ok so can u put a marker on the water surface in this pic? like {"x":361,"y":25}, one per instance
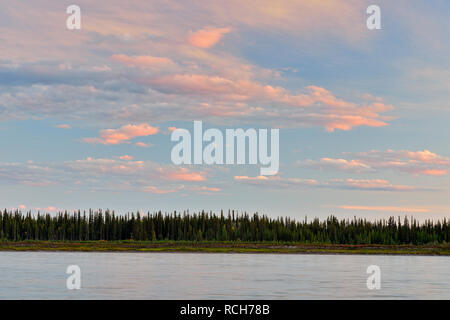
{"x":42,"y":275}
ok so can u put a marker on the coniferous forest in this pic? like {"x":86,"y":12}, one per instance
{"x":106,"y":225}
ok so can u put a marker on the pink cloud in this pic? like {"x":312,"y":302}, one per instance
{"x":425,"y":156}
{"x":207,"y":37}
{"x":235,"y":98}
{"x":343,"y":164}
{"x":155,"y":190}
{"x":63,"y":126}
{"x":134,"y":174}
{"x":381,"y":208}
{"x":228,"y":79}
{"x":136,"y":169}
{"x":413,"y":162}
{"x":346,"y":123}
{"x":277,"y":182}
{"x":123,"y":134}
{"x":374,"y":184}
{"x":206,"y":189}
{"x":143,"y":61}
{"x":251,"y":178}
{"x":142,"y":144}
{"x":117,"y":173}
{"x":126,"y":157}
{"x":48,"y":209}
{"x":183,"y":175}
{"x":433,"y":172}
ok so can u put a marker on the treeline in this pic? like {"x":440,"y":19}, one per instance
{"x":99,"y":225}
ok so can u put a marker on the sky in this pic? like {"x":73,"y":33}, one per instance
{"x":86,"y":115}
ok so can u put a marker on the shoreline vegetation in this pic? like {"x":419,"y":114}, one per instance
{"x":222,"y":247}
{"x":232,"y":232}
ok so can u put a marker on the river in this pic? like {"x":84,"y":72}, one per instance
{"x":42,"y":275}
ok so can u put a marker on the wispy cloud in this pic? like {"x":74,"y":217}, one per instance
{"x":142,"y":144}
{"x":63,"y":126}
{"x":384,"y":209}
{"x":119,"y":173}
{"x":143,"y":61}
{"x":156,"y":190}
{"x":124,"y":134}
{"x":277,"y":182}
{"x":183,"y":174}
{"x":207,"y":37}
{"x":221,"y":87}
{"x":225,"y":93}
{"x":369,"y":184}
{"x":413,"y":162}
{"x":126,"y":157}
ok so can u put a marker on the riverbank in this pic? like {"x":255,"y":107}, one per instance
{"x":223,"y":247}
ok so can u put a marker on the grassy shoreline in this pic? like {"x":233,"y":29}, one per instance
{"x":223,"y":247}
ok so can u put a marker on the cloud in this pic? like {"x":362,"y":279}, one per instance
{"x":48,"y":209}
{"x":163,"y":24}
{"x":277,"y":182}
{"x":63,"y":126}
{"x":27,"y":173}
{"x":183,"y":174}
{"x":123,"y":134}
{"x":126,"y":157}
{"x":153,"y":189}
{"x":196,"y":189}
{"x":236,"y":98}
{"x":207,"y":37}
{"x":105,"y":174}
{"x":433,"y":172}
{"x":220,"y":87}
{"x":424,"y":156}
{"x":205,"y":189}
{"x":369,"y":184}
{"x":247,"y":178}
{"x":142,"y":144}
{"x":135,"y":169}
{"x":338,"y":164}
{"x":143,"y":61}
{"x":383,"y":209}
{"x":413,"y":162}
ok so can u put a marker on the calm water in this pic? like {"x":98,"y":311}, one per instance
{"x":41,"y":275}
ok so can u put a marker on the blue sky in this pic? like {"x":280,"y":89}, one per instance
{"x":86,"y":115}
